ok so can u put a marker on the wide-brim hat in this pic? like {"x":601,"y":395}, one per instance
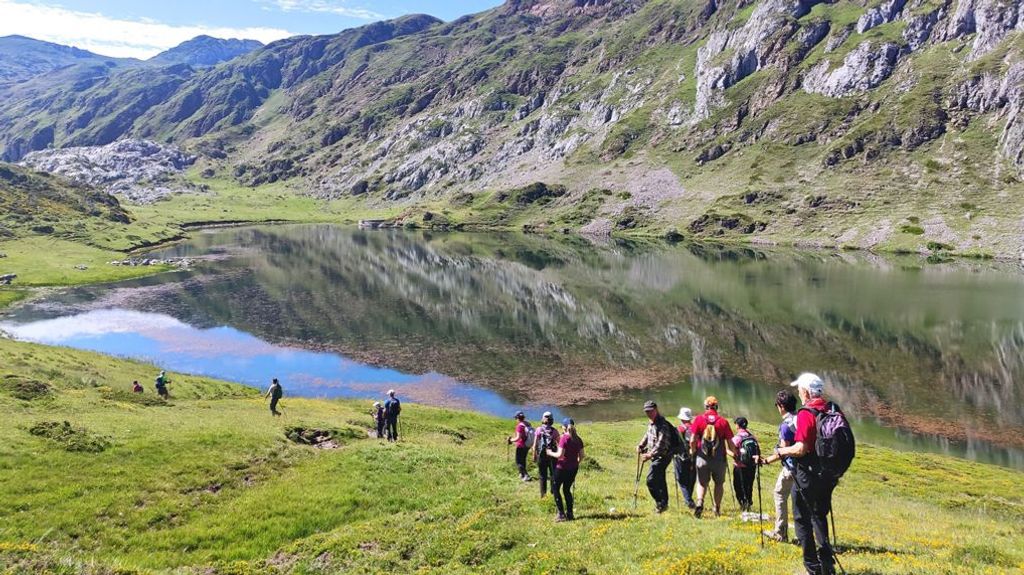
{"x":685,"y":414}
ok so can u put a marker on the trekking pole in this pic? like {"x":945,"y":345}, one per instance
{"x":832,"y":517}
{"x":636,"y":487}
{"x":760,"y":509}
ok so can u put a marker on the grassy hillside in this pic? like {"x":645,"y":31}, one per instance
{"x":210,"y":484}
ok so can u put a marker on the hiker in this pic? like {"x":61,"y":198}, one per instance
{"x":136,"y":387}
{"x":567,"y":456}
{"x":710,"y":442}
{"x":823,"y":447}
{"x":785,"y":402}
{"x":521,"y":439}
{"x":658,"y":446}
{"x":161,"y":385}
{"x":744,"y":469}
{"x":392,"y":409}
{"x":545,"y":440}
{"x":275,"y":392}
{"x":378,"y":418}
{"x":686,"y":475}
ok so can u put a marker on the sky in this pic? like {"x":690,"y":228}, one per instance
{"x":142,"y":29}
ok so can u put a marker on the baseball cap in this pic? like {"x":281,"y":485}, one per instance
{"x":519,"y":415}
{"x":685,"y":414}
{"x":810,"y":382}
{"x":546,"y":415}
{"x":391,"y":392}
{"x":711,"y":400}
{"x":567,"y":422}
{"x":650,"y":405}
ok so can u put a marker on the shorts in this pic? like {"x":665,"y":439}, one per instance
{"x":713,"y":469}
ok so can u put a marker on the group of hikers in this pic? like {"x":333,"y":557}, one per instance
{"x":386,"y":417}
{"x":815,"y":448}
{"x":557,"y":454}
{"x":160,"y":384}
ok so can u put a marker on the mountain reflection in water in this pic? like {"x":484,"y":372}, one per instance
{"x":922,"y":355}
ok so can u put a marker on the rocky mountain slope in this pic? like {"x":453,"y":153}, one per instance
{"x":138,"y":170}
{"x":22,"y":58}
{"x":205,"y":51}
{"x":887,"y":124}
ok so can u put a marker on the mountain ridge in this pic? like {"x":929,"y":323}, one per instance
{"x":841,"y":124}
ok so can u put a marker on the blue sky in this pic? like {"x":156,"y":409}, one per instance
{"x":140,"y":29}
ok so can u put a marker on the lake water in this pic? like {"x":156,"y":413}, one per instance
{"x":923,"y":356}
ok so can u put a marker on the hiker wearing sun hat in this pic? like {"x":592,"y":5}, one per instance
{"x":710,"y":442}
{"x":686,"y":475}
{"x":544,"y":440}
{"x":823,"y":448}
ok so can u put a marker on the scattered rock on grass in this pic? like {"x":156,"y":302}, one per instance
{"x":321,"y":438}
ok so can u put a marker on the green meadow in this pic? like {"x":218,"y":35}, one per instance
{"x":211,"y":484}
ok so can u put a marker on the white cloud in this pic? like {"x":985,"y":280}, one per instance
{"x":326,"y":7}
{"x":111,"y":36}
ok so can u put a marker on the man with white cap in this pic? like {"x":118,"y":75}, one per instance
{"x":544,"y":440}
{"x":392,"y":409}
{"x":812,"y":490}
{"x":686,"y":475}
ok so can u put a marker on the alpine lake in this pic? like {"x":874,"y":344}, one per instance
{"x":922,"y":355}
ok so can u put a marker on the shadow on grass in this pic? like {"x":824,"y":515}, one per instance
{"x":608,"y":516}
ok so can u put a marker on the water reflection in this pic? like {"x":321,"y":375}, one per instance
{"x":937,"y":351}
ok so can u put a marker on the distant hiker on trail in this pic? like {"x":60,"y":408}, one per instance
{"x":744,"y":469}
{"x":785,"y":402}
{"x":392,"y":411}
{"x":711,"y":440}
{"x":136,"y":387}
{"x":567,"y":456}
{"x":658,"y":446}
{"x":545,"y":440}
{"x":378,"y":418}
{"x":275,"y":392}
{"x":823,"y":448}
{"x":522,"y":439}
{"x":686,"y":475}
{"x":161,"y":385}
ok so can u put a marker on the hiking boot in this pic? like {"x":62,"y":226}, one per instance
{"x":659,"y":509}
{"x":698,"y":511}
{"x":560,"y":518}
{"x":526,"y":478}
{"x":691,"y":505}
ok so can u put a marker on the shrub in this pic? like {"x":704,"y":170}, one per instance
{"x":912,"y":229}
{"x":25,"y":389}
{"x":75,"y":439}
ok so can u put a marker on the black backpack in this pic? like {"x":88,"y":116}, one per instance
{"x":675,"y":442}
{"x":835,"y":446}
{"x":395,"y":407}
{"x":749,"y":450}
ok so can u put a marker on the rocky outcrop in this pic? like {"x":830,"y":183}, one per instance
{"x":866,"y":67}
{"x":139,"y":170}
{"x":883,"y":13}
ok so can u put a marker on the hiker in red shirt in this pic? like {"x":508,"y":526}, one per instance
{"x":711,"y":441}
{"x":812,"y":492}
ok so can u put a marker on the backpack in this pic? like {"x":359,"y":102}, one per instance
{"x":159,"y":381}
{"x":675,"y":442}
{"x":277,"y":392}
{"x":531,"y":434}
{"x":835,"y":445}
{"x":749,"y":450}
{"x":394,"y":408}
{"x":709,"y":442}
